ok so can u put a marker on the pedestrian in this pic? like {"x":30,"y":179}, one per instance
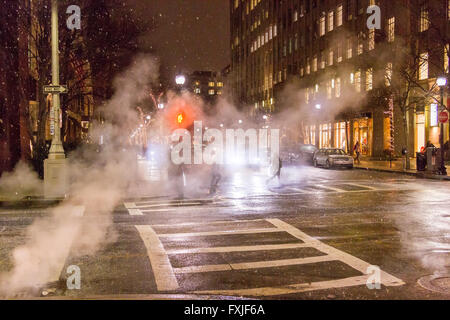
{"x":215,"y":178}
{"x":277,"y":164}
{"x":357,"y":150}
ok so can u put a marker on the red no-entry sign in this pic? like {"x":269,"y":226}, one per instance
{"x":443,"y":117}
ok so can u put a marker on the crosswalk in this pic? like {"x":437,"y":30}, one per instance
{"x":322,"y":187}
{"x":166,"y":243}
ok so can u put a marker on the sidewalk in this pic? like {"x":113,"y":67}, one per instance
{"x":397,"y":167}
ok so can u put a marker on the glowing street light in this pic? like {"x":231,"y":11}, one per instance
{"x":318,"y":106}
{"x":180,"y":80}
{"x":240,"y":121}
{"x":441,"y":82}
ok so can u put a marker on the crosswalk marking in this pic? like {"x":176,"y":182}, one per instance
{"x":165,"y":273}
{"x":218,"y":233}
{"x":331,"y":188}
{"x":253,"y":265}
{"x":361,"y":186}
{"x":269,"y":247}
{"x":162,"y":269}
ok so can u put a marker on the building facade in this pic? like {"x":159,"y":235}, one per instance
{"x":207,"y":84}
{"x":319,"y":59}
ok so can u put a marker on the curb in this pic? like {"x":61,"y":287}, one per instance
{"x":415,"y":174}
{"x":29,"y":203}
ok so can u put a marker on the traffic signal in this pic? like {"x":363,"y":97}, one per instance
{"x":180,"y":118}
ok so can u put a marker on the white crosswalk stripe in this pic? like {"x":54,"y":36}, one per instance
{"x":166,"y":275}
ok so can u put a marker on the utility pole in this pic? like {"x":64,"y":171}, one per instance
{"x":55,"y":175}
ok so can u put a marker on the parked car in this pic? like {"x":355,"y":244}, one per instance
{"x":307,"y":152}
{"x":330,"y":158}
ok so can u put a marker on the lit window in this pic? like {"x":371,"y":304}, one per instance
{"x":211,"y":84}
{"x":446,"y":60}
{"x":331,"y":58}
{"x":330,"y":21}
{"x":314,"y":64}
{"x":338,"y":88}
{"x":349,"y":48}
{"x":197,"y":90}
{"x":339,"y":16}
{"x":220,"y":84}
{"x":388,"y":75}
{"x":391,"y":29}
{"x":211,"y":92}
{"x":423,"y":66}
{"x":424,"y":19}
{"x":360,"y":46}
{"x":322,"y":26}
{"x":371,"y":40}
{"x":358,"y":81}
{"x":369,"y":79}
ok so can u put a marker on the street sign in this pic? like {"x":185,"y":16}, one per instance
{"x":55,"y":89}
{"x":443,"y":117}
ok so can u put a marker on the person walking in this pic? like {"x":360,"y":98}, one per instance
{"x":357,"y":150}
{"x":215,"y":178}
{"x":277,"y":165}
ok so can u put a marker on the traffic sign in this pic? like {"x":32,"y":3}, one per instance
{"x":443,"y":117}
{"x":55,"y":89}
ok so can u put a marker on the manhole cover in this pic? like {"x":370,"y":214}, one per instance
{"x":436,"y":283}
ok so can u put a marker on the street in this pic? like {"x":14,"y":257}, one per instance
{"x":316,"y":235}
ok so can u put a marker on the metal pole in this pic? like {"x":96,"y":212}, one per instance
{"x":442,"y":170}
{"x":56,"y":150}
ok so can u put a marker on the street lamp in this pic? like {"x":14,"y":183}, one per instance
{"x":318,"y":106}
{"x":180,"y":80}
{"x":442,"y":83}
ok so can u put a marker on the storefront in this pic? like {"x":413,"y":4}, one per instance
{"x":310,"y":135}
{"x":363,"y":132}
{"x":340,"y":136}
{"x":325,"y":135}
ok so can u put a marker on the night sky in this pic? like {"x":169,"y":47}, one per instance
{"x":189,"y":35}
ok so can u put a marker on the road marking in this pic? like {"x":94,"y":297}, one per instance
{"x":218,"y":233}
{"x":162,"y":269}
{"x":190,"y":224}
{"x":252,"y":265}
{"x":168,"y":204}
{"x":331,"y":188}
{"x":361,"y":186}
{"x":354,"y":262}
{"x":239,"y":249}
{"x":299,"y":190}
{"x":290,"y":289}
{"x":135,"y":212}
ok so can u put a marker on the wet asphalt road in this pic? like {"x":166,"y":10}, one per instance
{"x":312,"y":236}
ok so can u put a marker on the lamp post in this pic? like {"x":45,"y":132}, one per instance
{"x":442,"y":83}
{"x":54,"y":167}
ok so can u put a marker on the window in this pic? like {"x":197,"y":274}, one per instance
{"x":314,"y":64}
{"x":322,"y":26}
{"x":352,"y":78}
{"x":220,"y":84}
{"x":339,"y":52}
{"x":369,"y":79}
{"x":358,"y":81}
{"x":423,"y":66}
{"x":371,"y":40}
{"x":308,"y":66}
{"x":339,"y":16}
{"x":331,"y":58}
{"x":391,"y":29}
{"x":388,"y":74}
{"x":330,"y":21}
{"x":349,"y":48}
{"x":211,"y":92}
{"x":211,"y":84}
{"x":338,"y":88}
{"x":197,"y":90}
{"x":446,"y":51}
{"x":322,"y":60}
{"x":360,"y":46}
{"x":424,"y":19}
